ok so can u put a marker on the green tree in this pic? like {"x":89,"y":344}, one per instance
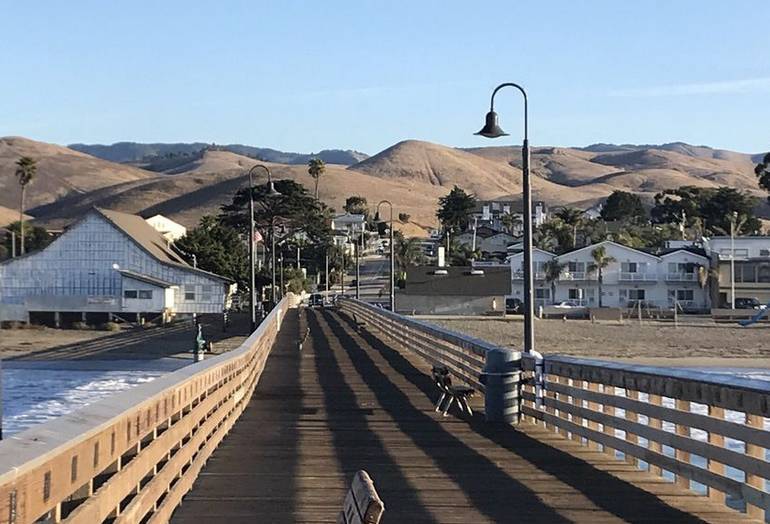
{"x":718,"y":209}
{"x":407,"y":253}
{"x":404,"y":217}
{"x":219,"y":249}
{"x":26,"y":169}
{"x":455,"y":209}
{"x":511,"y":222}
{"x":762,"y":170}
{"x":316,"y":168}
{"x":553,"y":270}
{"x":707,"y":210}
{"x":621,"y":205}
{"x":572,"y":218}
{"x":600,"y":263}
{"x":553,"y":235}
{"x":36,"y":238}
{"x":357,"y":205}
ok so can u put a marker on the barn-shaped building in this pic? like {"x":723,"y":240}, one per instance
{"x":107,"y":264}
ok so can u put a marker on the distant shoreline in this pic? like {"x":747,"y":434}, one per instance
{"x":690,"y":362}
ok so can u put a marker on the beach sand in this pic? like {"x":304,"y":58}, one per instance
{"x":653,"y":343}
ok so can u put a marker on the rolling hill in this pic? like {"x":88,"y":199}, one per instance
{"x":413,"y":174}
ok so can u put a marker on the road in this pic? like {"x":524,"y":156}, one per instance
{"x":374,"y":273}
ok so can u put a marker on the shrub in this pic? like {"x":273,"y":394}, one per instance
{"x":110,"y":326}
{"x":80,"y":326}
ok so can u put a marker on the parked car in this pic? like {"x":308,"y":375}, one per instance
{"x":514,"y":306}
{"x":316,"y":299}
{"x":567,"y":304}
{"x":748,"y":303}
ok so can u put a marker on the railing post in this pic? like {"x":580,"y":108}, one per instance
{"x":500,"y":377}
{"x":683,"y":430}
{"x":755,"y":481}
{"x":715,"y":439}
{"x":653,"y":445}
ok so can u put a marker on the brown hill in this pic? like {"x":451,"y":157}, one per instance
{"x":60,"y":172}
{"x":9,"y":216}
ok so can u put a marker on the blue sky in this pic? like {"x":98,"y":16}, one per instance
{"x":303,"y":76}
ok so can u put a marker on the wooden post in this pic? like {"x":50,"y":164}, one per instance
{"x":632,"y":417}
{"x":683,"y":456}
{"x":593,"y":406}
{"x":549,"y":393}
{"x":608,"y":410}
{"x":716,"y":439}
{"x":655,"y":423}
{"x":755,"y":481}
{"x":575,"y":402}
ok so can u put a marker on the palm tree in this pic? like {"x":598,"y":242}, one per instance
{"x":601,"y":261}
{"x":26,"y":168}
{"x":510,"y":222}
{"x":316,"y":168}
{"x":572,"y":217}
{"x":553,"y":269}
{"x":407,"y":253}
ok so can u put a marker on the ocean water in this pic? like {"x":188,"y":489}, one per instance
{"x":34,"y":392}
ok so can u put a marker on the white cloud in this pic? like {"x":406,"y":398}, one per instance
{"x":749,"y":85}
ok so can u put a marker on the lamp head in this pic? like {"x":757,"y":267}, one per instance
{"x":491,"y":128}
{"x":272,"y":192}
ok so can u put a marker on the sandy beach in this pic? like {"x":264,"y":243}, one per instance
{"x":702,"y":345}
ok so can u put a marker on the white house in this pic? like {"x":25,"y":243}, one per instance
{"x":347,"y":228}
{"x":491,"y":212}
{"x":633,"y":277}
{"x":487,"y":239}
{"x":747,"y":269}
{"x":171,"y":231}
{"x":107,"y":263}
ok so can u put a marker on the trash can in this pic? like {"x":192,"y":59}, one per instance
{"x":501,"y":376}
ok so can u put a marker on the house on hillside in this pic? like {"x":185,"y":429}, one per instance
{"x":107,"y":264}
{"x":750,"y":256}
{"x":432,"y":290}
{"x":171,"y":231}
{"x":542,"y":288}
{"x":490,"y":213}
{"x":348,"y":228}
{"x":487,"y":240}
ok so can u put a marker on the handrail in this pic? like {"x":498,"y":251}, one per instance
{"x":132,"y":456}
{"x":463,"y":355}
{"x":615,"y":407}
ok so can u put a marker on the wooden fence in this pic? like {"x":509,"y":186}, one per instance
{"x":665,"y":420}
{"x":132,"y":457}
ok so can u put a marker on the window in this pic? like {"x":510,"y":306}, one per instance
{"x":684,"y":295}
{"x":636,"y":294}
{"x":542,"y":293}
{"x":145,"y":294}
{"x":575,"y":294}
{"x":576,"y":267}
{"x":764,"y":252}
{"x":189,"y":295}
{"x":629,"y":267}
{"x":130,"y":293}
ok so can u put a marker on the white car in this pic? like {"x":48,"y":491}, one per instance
{"x":566,"y":304}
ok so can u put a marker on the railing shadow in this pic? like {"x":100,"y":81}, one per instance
{"x":480,"y":479}
{"x":606,"y":491}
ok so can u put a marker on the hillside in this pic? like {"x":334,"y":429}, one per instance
{"x":412,"y":174}
{"x":134,"y":152}
{"x":9,"y":216}
{"x":60,"y":172}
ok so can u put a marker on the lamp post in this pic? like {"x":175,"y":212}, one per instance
{"x":392,"y":258}
{"x":252,"y":282}
{"x":733,"y":221}
{"x":491,"y":129}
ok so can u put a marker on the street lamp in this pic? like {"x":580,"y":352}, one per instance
{"x":271,"y":193}
{"x":733,"y":221}
{"x":392,"y":258}
{"x":491,"y":129}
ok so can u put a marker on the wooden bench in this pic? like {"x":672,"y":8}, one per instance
{"x":362,"y":504}
{"x":359,"y":324}
{"x":461,"y":394}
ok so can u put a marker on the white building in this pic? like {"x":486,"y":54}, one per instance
{"x":748,"y":267}
{"x":490,"y":213}
{"x":347,"y":229}
{"x":106,"y":264}
{"x":487,"y":240}
{"x":633,"y":277}
{"x":171,"y":231}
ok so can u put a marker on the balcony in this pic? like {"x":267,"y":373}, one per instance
{"x":519,"y":275}
{"x":627,"y":276}
{"x":578,"y":275}
{"x":682,"y":277}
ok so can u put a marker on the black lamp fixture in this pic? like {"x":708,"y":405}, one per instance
{"x":491,"y":129}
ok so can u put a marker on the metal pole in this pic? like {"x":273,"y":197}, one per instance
{"x":252,"y":279}
{"x":327,"y":271}
{"x":272,"y":255}
{"x":358,"y":271}
{"x":392,"y":265}
{"x":282,"y":286}
{"x":732,"y":261}
{"x":13,"y":244}
{"x":529,"y":312}
{"x":342,"y":269}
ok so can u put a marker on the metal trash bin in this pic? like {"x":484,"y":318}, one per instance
{"x":501,"y":377}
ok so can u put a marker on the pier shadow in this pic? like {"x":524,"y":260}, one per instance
{"x":607,"y":492}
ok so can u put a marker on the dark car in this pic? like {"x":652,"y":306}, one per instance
{"x":316,"y":299}
{"x":513,"y":305}
{"x":747,"y":303}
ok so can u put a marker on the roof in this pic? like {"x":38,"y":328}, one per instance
{"x":150,"y":240}
{"x":543,"y":251}
{"x":604,"y":242}
{"x":458,"y":281}
{"x":691,"y":250}
{"x":145,"y":278}
{"x":347,"y":217}
{"x":484,"y":232}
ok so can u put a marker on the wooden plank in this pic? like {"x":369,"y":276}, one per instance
{"x":362,"y":503}
{"x":716,"y":439}
{"x":592,"y":424}
{"x":752,"y":479}
{"x":632,"y":417}
{"x":683,"y":406}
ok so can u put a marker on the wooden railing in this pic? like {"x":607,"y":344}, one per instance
{"x":132,"y":457}
{"x":672,"y":422}
{"x":463,"y":355}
